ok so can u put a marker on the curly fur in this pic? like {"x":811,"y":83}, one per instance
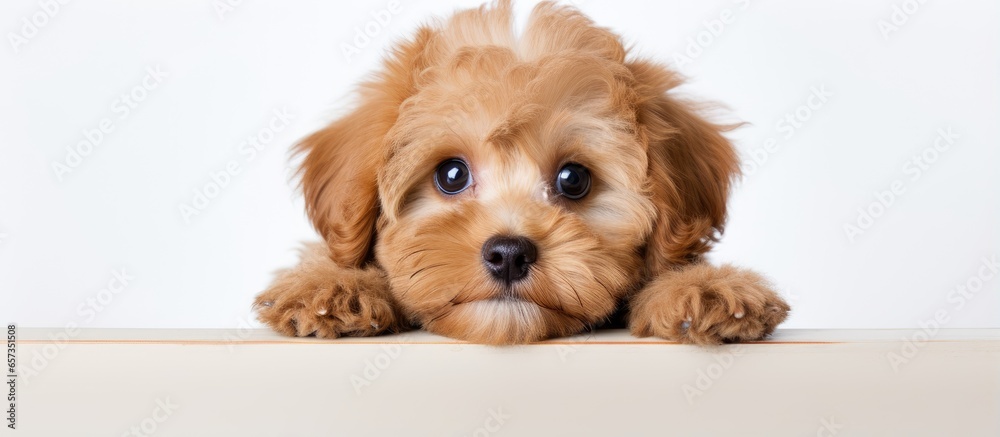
{"x":398,"y":254}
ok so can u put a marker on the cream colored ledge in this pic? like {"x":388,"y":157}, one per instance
{"x":254,"y":382}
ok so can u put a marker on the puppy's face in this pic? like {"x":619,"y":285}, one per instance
{"x":515,"y":198}
{"x":507,"y":185}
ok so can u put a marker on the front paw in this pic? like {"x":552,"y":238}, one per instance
{"x":328,"y":304}
{"x":703,"y":304}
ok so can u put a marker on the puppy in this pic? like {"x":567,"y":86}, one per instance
{"x":502,"y":188}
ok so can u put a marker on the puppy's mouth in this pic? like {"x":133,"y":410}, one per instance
{"x":506,"y":315}
{"x":511,"y":295}
{"x":500,"y":294}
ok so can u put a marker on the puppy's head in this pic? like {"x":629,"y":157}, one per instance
{"x":517,"y":187}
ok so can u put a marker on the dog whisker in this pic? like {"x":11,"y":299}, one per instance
{"x":419,"y":280}
{"x":570,"y":285}
{"x":441,"y":312}
{"x":418,"y":271}
{"x":460,"y":291}
{"x":426,"y":249}
{"x":424,"y":269}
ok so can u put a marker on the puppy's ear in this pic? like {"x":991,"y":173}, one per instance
{"x":341,"y":161}
{"x":691,"y":167}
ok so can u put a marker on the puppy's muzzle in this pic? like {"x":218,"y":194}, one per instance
{"x":509,"y":258}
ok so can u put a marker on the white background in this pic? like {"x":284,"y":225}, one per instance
{"x":228,"y":71}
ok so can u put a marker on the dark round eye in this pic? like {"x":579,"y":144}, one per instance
{"x":573,"y":181}
{"x":452,"y":176}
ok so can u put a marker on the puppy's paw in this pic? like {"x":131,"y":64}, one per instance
{"x":327,"y":307}
{"x":703,"y":304}
{"x":322,"y":299}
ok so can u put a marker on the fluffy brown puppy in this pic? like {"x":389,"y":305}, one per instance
{"x":502,"y":188}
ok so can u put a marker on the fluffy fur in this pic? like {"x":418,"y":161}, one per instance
{"x":399,"y":254}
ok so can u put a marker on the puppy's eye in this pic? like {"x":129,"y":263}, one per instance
{"x":452,"y":176}
{"x":573,"y":181}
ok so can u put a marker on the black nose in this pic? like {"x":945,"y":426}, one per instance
{"x":509,"y":258}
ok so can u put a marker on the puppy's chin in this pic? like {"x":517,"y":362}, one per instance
{"x":503,"y":322}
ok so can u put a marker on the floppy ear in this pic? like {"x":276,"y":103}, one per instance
{"x":691,"y":166}
{"x":341,"y":161}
